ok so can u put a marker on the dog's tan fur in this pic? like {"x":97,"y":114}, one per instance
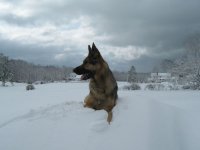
{"x":103,"y":86}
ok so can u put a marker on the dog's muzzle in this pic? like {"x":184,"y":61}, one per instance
{"x":86,"y":74}
{"x":79,"y":70}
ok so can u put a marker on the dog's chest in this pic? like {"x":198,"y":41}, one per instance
{"x":96,"y":88}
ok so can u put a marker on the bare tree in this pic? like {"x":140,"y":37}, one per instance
{"x":193,"y":50}
{"x":5,"y":74}
{"x":193,"y":45}
{"x":196,"y":81}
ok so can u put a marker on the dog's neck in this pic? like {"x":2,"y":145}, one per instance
{"x":101,"y":74}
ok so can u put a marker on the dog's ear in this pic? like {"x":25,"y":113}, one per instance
{"x":94,"y":48}
{"x":89,"y":49}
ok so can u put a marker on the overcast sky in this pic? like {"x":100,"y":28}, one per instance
{"x":127,"y":32}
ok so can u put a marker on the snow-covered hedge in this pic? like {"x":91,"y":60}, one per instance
{"x":30,"y":87}
{"x":191,"y":86}
{"x":132,"y":86}
{"x":161,"y":86}
{"x":186,"y":87}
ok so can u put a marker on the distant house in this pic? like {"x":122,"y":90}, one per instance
{"x":160,"y":77}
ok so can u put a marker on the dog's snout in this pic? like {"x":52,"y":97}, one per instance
{"x":75,"y":70}
{"x":78,"y":70}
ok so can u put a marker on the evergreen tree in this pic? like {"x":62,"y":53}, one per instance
{"x":132,"y":75}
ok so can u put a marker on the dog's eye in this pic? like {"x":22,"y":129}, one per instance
{"x":94,"y":61}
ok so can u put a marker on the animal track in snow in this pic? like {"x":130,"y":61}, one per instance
{"x":52,"y":112}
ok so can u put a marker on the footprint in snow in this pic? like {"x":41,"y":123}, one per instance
{"x":53,"y":112}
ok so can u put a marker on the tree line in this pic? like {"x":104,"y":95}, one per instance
{"x":21,"y":71}
{"x":187,"y":65}
{"x":12,"y":70}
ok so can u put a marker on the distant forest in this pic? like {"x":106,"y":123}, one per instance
{"x":21,"y":71}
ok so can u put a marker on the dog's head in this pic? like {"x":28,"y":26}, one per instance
{"x":90,"y":64}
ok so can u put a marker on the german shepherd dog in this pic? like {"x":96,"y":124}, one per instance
{"x":103,"y":86}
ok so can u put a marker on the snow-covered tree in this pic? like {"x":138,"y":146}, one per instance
{"x":196,"y":81}
{"x":5,"y":74}
{"x":132,"y":75}
{"x":192,"y":46}
{"x":165,"y":66}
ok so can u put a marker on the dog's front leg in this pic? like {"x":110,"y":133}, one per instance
{"x":110,"y":116}
{"x":89,"y":101}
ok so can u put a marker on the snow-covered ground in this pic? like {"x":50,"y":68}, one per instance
{"x":52,"y":117}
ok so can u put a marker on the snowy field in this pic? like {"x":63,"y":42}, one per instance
{"x":52,"y":117}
